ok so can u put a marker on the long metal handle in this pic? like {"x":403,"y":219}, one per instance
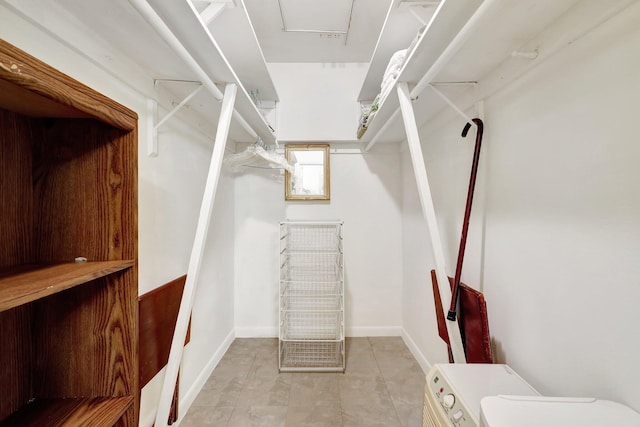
{"x":451,"y":315}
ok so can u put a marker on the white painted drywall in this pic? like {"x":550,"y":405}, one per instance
{"x":317,"y":100}
{"x":365,"y":194}
{"x":562,"y":237}
{"x":169,"y":194}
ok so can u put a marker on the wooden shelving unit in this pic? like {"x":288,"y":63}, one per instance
{"x":68,"y":189}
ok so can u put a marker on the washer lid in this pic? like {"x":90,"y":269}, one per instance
{"x":533,"y":411}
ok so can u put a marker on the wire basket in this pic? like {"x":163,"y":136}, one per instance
{"x":312,"y":237}
{"x":312,"y":266}
{"x":311,"y":296}
{"x":310,"y":355}
{"x":311,"y":325}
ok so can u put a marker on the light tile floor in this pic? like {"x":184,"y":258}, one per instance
{"x":383,"y":385}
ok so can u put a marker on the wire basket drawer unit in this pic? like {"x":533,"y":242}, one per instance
{"x":311,"y":314}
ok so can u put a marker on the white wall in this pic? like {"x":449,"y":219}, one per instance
{"x":562,"y":233}
{"x":169,"y":195}
{"x":365,"y":194}
{"x":317,"y":100}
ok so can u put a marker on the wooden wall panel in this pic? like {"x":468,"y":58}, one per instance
{"x":158,"y":314}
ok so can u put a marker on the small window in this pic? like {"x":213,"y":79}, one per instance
{"x":310,"y":177}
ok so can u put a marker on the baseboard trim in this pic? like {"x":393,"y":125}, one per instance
{"x":259,"y":332}
{"x":190,"y":396}
{"x":413,"y":348}
{"x":374,"y":331}
{"x":356,"y":331}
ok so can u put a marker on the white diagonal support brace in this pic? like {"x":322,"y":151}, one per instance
{"x":451,"y":104}
{"x":212,"y":12}
{"x":195,"y":260}
{"x":178,"y":107}
{"x":424,"y":193}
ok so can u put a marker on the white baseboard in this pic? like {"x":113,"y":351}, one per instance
{"x":410,"y":343}
{"x":188,"y":398}
{"x":374,"y":331}
{"x":356,"y":331}
{"x":258,"y":332}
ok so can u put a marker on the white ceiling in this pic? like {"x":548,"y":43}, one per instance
{"x":325,"y":16}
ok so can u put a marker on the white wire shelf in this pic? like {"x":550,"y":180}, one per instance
{"x":296,"y":301}
{"x":311,"y":237}
{"x":315,"y":267}
{"x":309,"y":355}
{"x":311,"y":325}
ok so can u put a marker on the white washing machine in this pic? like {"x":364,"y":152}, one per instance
{"x":453,"y":392}
{"x":521,"y":411}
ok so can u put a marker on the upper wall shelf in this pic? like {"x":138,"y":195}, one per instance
{"x":400,"y":27}
{"x":185,"y":23}
{"x":446,"y":21}
{"x":234,"y":33}
{"x":483,"y":52}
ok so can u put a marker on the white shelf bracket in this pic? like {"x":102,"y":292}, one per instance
{"x":413,"y":7}
{"x":197,"y":255}
{"x":153,"y":124}
{"x":178,"y":107}
{"x":152,"y":131}
{"x":428,"y":210}
{"x":449,"y":102}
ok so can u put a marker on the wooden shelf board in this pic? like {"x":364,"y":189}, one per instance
{"x":26,"y":283}
{"x":21,"y":69}
{"x":77,"y":412}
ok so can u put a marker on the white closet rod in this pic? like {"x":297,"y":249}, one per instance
{"x":167,"y":35}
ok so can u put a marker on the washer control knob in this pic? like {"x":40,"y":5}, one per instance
{"x":448,"y":400}
{"x":457,"y":416}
